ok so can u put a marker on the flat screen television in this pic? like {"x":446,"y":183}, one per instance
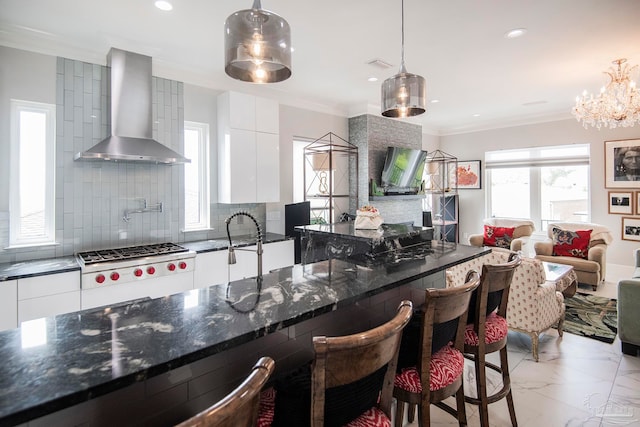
{"x":403,"y":169}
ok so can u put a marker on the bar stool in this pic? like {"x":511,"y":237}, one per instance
{"x":441,"y":372}
{"x":347,"y":367}
{"x":487,"y":333}
{"x":240,"y":407}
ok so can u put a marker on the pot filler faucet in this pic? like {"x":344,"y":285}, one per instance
{"x":258,"y":251}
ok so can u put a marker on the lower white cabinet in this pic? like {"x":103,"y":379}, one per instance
{"x":8,"y":304}
{"x":278,"y":255}
{"x":153,"y":288}
{"x":213,"y":268}
{"x":48,"y":295}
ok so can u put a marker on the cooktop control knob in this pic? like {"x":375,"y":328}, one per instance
{"x":151,"y":270}
{"x":137,"y":272}
{"x":100,"y":278}
{"x":114,"y":276}
{"x":171,"y":267}
{"x":182,"y":265}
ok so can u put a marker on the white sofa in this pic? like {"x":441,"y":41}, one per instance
{"x":534,"y":305}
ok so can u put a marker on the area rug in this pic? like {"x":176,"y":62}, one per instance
{"x":591,"y":316}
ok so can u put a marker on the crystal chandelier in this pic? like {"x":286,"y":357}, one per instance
{"x":617,"y":104}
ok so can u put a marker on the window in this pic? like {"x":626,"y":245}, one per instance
{"x":32,"y":172}
{"x":196,"y":176}
{"x":545,"y":184}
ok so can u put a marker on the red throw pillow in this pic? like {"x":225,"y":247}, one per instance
{"x":571,"y":243}
{"x":500,"y":237}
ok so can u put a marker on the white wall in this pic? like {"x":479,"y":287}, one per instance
{"x":430,"y":142}
{"x":295,"y":122}
{"x":25,"y":76}
{"x":201,"y":105}
{"x":472,"y":146}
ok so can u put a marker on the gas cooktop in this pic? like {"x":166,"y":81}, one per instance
{"x":127,"y":253}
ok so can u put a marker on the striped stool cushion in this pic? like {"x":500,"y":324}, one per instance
{"x":446,"y":366}
{"x":267,"y":407}
{"x":495,"y":329}
{"x":374,"y":417}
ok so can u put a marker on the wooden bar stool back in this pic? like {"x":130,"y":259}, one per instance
{"x":440,"y":375}
{"x":487,"y":333}
{"x":240,"y":407}
{"x":340,"y":361}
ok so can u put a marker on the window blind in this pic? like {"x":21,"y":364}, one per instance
{"x":562,"y":155}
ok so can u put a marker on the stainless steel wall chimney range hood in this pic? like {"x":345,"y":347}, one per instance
{"x":131,"y":137}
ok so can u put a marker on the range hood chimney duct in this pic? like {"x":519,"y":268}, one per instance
{"x":131,"y":139}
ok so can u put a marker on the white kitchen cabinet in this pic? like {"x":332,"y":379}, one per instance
{"x":248,"y":149}
{"x":237,"y":184}
{"x":277,"y":255}
{"x":9,"y":304}
{"x":48,"y":295}
{"x":274,"y":255}
{"x":267,"y":167}
{"x":211,"y":269}
{"x":153,"y":288}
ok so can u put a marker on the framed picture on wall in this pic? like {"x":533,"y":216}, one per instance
{"x":631,"y":229}
{"x":622,"y":163}
{"x":621,"y":202}
{"x":469,"y":174}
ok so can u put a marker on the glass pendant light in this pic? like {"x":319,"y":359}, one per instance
{"x":404,"y":94}
{"x":257,"y":46}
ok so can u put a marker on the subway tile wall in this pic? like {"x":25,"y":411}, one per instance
{"x":91,"y":197}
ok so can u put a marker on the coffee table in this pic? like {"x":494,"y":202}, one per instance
{"x":564,"y":277}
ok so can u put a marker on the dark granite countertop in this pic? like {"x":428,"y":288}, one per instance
{"x":41,"y":267}
{"x":348,"y":230}
{"x":239,"y":241}
{"x":37,"y":267}
{"x":90,"y":353}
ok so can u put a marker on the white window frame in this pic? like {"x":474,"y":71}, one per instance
{"x":203,"y":177}
{"x":48,"y":235}
{"x":534,"y":158}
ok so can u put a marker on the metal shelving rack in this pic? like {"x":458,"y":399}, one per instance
{"x":441,"y":194}
{"x":327,"y":161}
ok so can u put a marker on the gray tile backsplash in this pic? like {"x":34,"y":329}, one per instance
{"x":91,"y":196}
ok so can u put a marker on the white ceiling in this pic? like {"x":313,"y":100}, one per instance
{"x":457,"y":45}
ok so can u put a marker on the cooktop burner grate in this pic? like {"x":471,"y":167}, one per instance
{"x":131,"y":252}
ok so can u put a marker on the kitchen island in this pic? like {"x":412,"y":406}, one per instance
{"x":158,"y":361}
{"x":343,"y":240}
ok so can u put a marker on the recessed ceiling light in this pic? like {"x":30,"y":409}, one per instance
{"x":515,"y":33}
{"x":372,"y":79}
{"x":529,"y":104}
{"x":476,"y":115}
{"x":435,"y":101}
{"x":163,"y":5}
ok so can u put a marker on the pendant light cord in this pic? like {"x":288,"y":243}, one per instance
{"x":402,"y":67}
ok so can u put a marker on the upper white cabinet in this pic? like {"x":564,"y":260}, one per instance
{"x":248,"y":149}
